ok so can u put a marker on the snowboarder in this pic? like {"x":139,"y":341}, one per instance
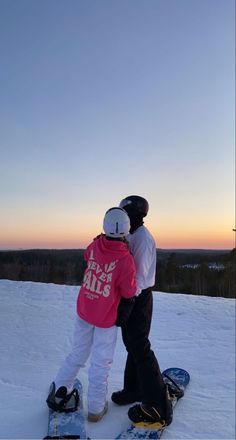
{"x":143,"y":381}
{"x":109,"y":276}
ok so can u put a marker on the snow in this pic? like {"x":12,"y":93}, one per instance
{"x":192,"y":332}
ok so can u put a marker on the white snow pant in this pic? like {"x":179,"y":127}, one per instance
{"x":100,"y":342}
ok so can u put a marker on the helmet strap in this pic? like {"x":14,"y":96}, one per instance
{"x":115,"y":238}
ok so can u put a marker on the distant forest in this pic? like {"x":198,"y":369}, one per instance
{"x":198,"y":272}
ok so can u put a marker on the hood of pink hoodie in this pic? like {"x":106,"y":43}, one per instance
{"x":108,"y":250}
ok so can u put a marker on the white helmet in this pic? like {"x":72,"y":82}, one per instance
{"x":116,"y":223}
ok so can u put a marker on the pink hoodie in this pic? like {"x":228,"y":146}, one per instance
{"x":110,"y":274}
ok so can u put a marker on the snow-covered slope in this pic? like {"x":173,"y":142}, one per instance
{"x":192,"y":332}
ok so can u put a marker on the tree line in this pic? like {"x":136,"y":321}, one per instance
{"x":177,"y":272}
{"x":200,"y":277}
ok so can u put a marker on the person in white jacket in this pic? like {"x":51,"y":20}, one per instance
{"x":143,"y":381}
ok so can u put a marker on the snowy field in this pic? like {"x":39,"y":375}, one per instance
{"x":192,"y":332}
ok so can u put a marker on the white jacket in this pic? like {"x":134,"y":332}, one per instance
{"x":143,"y":248}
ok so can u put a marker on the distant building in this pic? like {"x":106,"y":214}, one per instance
{"x":212,"y":266}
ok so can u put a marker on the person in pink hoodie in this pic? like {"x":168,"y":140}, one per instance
{"x":109,"y":276}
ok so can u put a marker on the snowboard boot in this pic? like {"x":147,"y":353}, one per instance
{"x":152,"y":417}
{"x":61,"y":401}
{"x":92,"y":417}
{"x":124,"y":397}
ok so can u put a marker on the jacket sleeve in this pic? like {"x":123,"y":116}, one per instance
{"x":144,"y":256}
{"x":128,"y":285}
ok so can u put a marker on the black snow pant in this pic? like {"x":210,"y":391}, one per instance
{"x":142,"y":373}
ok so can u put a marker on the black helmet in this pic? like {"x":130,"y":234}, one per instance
{"x":135,"y":205}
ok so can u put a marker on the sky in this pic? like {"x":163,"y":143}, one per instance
{"x":36,"y":329}
{"x":102,"y":99}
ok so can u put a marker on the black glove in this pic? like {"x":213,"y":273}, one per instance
{"x":124,"y":310}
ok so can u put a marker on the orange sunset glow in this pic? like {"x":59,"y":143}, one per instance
{"x":136,"y":102}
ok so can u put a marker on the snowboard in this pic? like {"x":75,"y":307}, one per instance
{"x":181,"y":378}
{"x":62,"y":425}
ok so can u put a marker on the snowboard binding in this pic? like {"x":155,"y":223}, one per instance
{"x":62,"y":401}
{"x":175,"y":392}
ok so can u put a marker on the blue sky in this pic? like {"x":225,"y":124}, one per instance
{"x":101,"y":99}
